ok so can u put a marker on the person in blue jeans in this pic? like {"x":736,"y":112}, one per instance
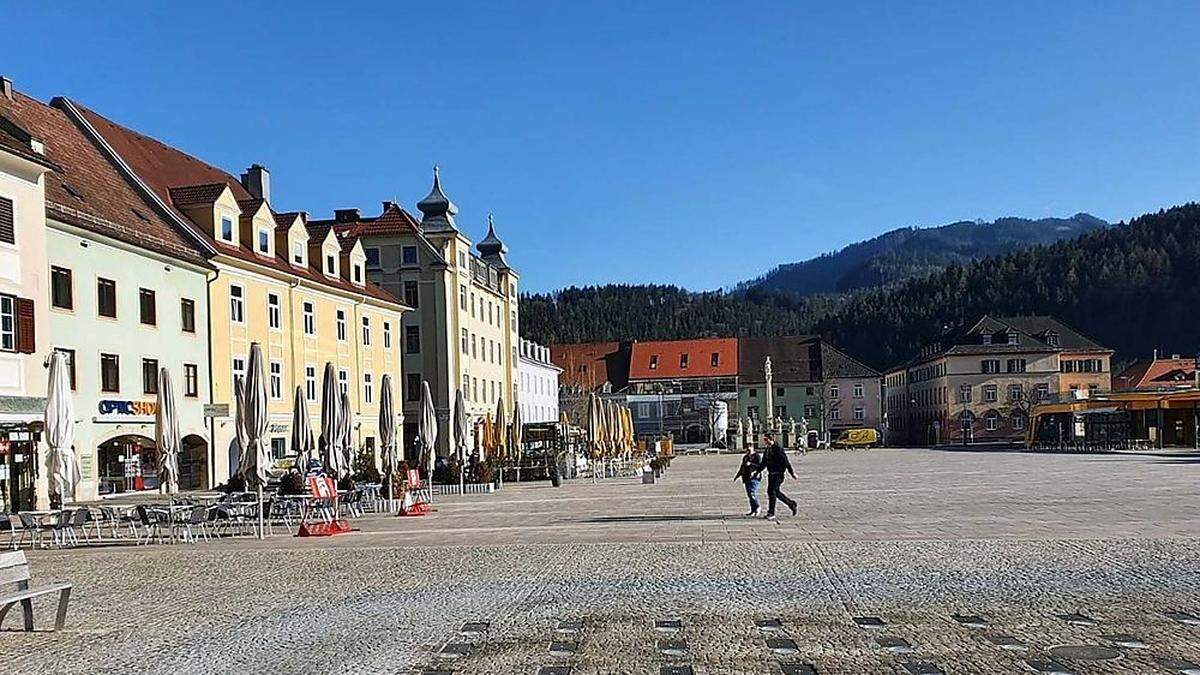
{"x":749,"y":472}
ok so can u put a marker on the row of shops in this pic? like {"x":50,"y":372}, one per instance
{"x":1117,"y":421}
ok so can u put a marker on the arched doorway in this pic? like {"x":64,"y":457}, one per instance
{"x":193,"y":463}
{"x":127,"y":463}
{"x":693,"y":434}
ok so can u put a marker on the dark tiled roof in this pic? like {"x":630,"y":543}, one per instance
{"x":87,"y":191}
{"x":162,"y":167}
{"x":188,"y":195}
{"x":1039,"y":326}
{"x":793,"y":359}
{"x":836,"y":364}
{"x":589,"y":366}
{"x":1035,"y":334}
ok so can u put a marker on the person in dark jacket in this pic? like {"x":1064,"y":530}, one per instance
{"x":775,"y":461}
{"x":749,"y":472}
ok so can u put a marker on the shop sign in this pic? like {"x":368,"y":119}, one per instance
{"x":112,"y":406}
{"x":216,"y":410}
{"x":277,"y":428}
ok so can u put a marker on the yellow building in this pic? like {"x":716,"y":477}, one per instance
{"x":299,"y":291}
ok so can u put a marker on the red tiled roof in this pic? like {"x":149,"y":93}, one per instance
{"x":1157,"y":373}
{"x":589,"y":366}
{"x":393,"y":220}
{"x":162,"y":168}
{"x":87,"y":191}
{"x":658,"y":360}
{"x":188,"y":195}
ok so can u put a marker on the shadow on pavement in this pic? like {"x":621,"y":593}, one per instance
{"x":652,"y":519}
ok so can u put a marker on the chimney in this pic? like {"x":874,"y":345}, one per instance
{"x":257,"y":181}
{"x":388,"y":204}
{"x":346,"y":215}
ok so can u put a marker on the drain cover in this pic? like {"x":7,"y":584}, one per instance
{"x":1049,"y":667}
{"x":569,"y":626}
{"x":798,"y":669}
{"x":675,"y":670}
{"x":870,"y":622}
{"x":1184,"y":618}
{"x":1084,"y":653}
{"x":562,"y":648}
{"x":919,"y":668}
{"x":668,"y":625}
{"x":782,"y":646}
{"x":554,"y":670}
{"x":1125,"y":640}
{"x":454,"y":650}
{"x":971,"y":620}
{"x":1179,"y":666}
{"x":473,"y":628}
{"x":769,"y":625}
{"x":1007,"y":642}
{"x":895,"y":645}
{"x":673,"y":647}
{"x":1077,"y":619}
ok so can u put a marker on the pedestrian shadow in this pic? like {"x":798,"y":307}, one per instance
{"x":653,"y":518}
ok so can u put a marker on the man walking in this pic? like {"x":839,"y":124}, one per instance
{"x":775,"y":460}
{"x":749,"y":472}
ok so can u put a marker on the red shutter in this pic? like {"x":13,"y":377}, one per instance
{"x":26,"y":341}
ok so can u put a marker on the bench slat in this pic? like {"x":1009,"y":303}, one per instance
{"x":33,"y":593}
{"x":12,"y":575}
{"x":12,"y":559}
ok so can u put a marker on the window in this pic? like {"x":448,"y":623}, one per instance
{"x":387,"y":334}
{"x":8,"y":233}
{"x":989,"y":393}
{"x":276,"y":379}
{"x":752,"y":411}
{"x":989,"y":366}
{"x":149,"y":376}
{"x":474,"y":351}
{"x":298,"y":253}
{"x":860,"y":413}
{"x":227,"y":228}
{"x":278,"y":447}
{"x":654,"y":362}
{"x":466,"y":387}
{"x":366,"y":387}
{"x":330,"y":265}
{"x":412,"y":339}
{"x":408,"y":255}
{"x":310,"y":382}
{"x":683,"y":360}
{"x":8,"y":323}
{"x":341,"y":325}
{"x":472,"y":305}
{"x":106,"y":298}
{"x":462,"y":260}
{"x":858,"y":390}
{"x":1012,"y":337}
{"x":410,"y":294}
{"x":366,"y":331}
{"x":1042,"y":392}
{"x":753,"y":393}
{"x":716,"y":359}
{"x":1018,"y":422}
{"x":964,"y":393}
{"x":465,"y":349}
{"x":810,"y":411}
{"x":834,"y":391}
{"x":237,"y":303}
{"x":239,"y":369}
{"x":462,"y":296}
{"x":1052,"y":340}
{"x":475,"y":388}
{"x":514,"y":324}
{"x":146,"y":305}
{"x":274,"y":313}
{"x":110,"y":373}
{"x":1016,"y":365}
{"x":986,"y":338}
{"x":358,"y":274}
{"x":343,"y":382}
{"x":264,"y":242}
{"x":1015,"y":393}
{"x":191,"y":380}
{"x":810,"y":391}
{"x":413,"y":387}
{"x":187,"y":315}
{"x":70,"y":354}
{"x":835,"y":414}
{"x":991,"y":421}
{"x":372,"y":257}
{"x":61,"y":288}
{"x":310,"y":318}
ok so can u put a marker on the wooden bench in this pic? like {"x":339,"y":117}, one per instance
{"x":14,"y":569}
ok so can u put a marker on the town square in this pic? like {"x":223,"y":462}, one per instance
{"x":599,"y":338}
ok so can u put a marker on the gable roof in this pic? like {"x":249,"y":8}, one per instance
{"x":163,"y":169}
{"x":394,"y":220}
{"x":659,"y":360}
{"x":590,"y":365}
{"x":85,"y":190}
{"x":1033,"y":336}
{"x":1157,"y":374}
{"x":793,"y":359}
{"x":838,"y":364}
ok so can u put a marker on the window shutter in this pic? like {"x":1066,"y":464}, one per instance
{"x":8,"y":233}
{"x":26,"y":340}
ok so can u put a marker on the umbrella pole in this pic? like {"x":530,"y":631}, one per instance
{"x":260,"y":510}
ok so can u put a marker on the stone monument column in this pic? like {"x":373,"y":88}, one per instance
{"x":769,"y":413}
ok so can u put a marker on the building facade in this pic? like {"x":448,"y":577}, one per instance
{"x":538,"y":390}
{"x":673,"y":384}
{"x":978,"y":383}
{"x":300,"y":292}
{"x":462,"y":332}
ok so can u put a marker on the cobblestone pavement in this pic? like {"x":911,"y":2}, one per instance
{"x":911,"y":538}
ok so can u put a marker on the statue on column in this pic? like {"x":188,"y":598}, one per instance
{"x":803,"y":432}
{"x":769,"y":412}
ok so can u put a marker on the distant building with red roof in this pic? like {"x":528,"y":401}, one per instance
{"x":1158,"y":373}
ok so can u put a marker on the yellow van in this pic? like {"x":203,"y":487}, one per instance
{"x":857,"y":438}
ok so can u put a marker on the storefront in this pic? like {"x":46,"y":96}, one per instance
{"x":126,"y":456}
{"x":19,"y":465}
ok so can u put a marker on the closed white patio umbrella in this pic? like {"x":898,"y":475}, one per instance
{"x":346,"y":435}
{"x":427,"y":432}
{"x":256,"y":459}
{"x":302,"y":434}
{"x":387,"y":432}
{"x":166,"y":435}
{"x":239,"y":423}
{"x":460,"y":438}
{"x":60,"y":429}
{"x":331,"y":424}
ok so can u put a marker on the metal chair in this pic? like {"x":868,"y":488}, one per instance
{"x":151,"y":523}
{"x":35,"y":530}
{"x":197,"y":519}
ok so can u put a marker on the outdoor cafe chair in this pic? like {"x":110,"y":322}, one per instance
{"x":197,"y":520}
{"x":62,"y":527}
{"x":14,"y":529}
{"x":74,"y":524}
{"x":32,"y":527}
{"x":151,"y":521}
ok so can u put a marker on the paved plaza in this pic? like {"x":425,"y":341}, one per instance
{"x":972,"y":562}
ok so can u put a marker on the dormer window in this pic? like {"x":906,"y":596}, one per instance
{"x":227,"y":229}
{"x":1012,"y":337}
{"x":298,"y":253}
{"x":1052,"y":339}
{"x":357,"y":273}
{"x":330,"y":265}
{"x":264,"y":242}
{"x":987,"y":338}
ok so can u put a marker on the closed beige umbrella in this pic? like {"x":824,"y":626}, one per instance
{"x":256,"y":460}
{"x":518,"y":433}
{"x":501,"y":441}
{"x":60,"y":429}
{"x":166,"y":435}
{"x":387,"y":433}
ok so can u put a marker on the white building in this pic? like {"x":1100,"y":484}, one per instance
{"x":538,"y":392}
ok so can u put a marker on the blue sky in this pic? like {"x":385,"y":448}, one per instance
{"x":691,"y":143}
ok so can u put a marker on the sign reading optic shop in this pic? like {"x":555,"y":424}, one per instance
{"x":119,"y":410}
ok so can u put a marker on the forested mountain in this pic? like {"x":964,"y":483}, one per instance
{"x":912,"y":252}
{"x":1133,"y":288}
